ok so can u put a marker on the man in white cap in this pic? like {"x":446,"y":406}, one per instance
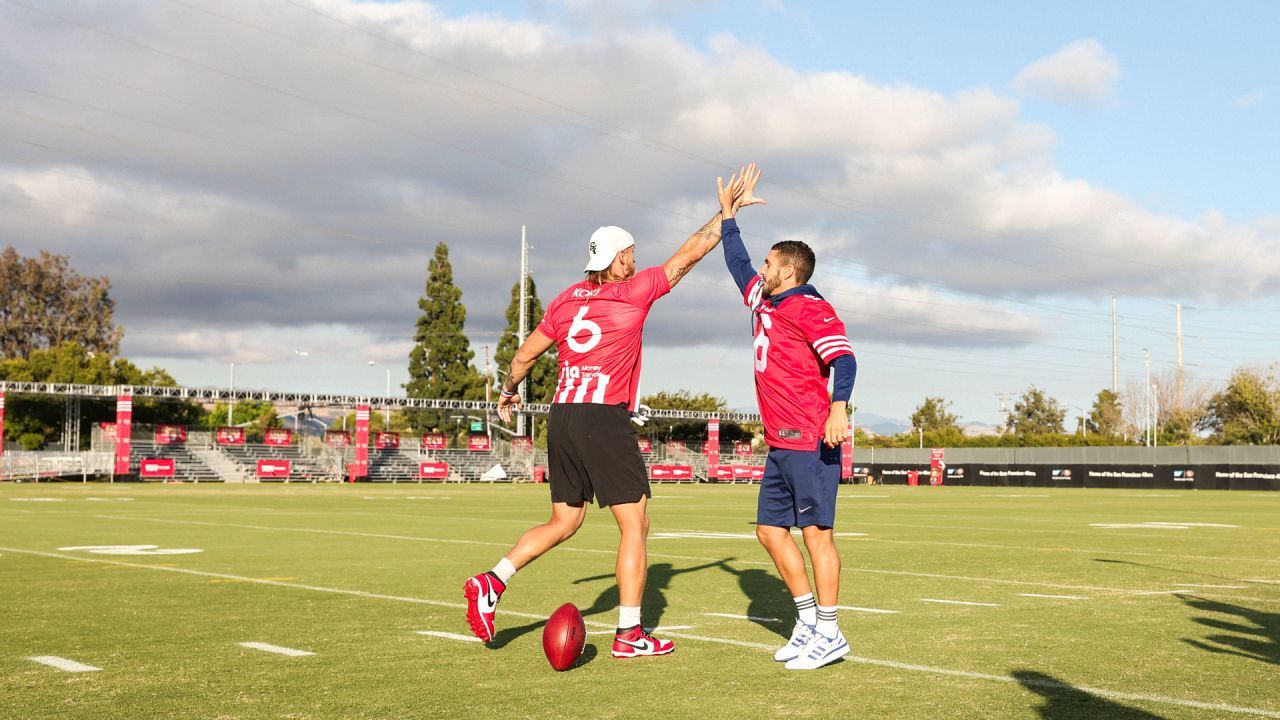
{"x":596,"y":324}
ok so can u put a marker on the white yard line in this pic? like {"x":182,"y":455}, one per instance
{"x":449,"y":636}
{"x":694,"y":558}
{"x":63,"y":664}
{"x":1224,"y":587}
{"x":853,"y":608}
{"x":731,"y":616}
{"x":958,"y":602}
{"x":1054,"y":597}
{"x":278,"y":650}
{"x":1100,"y":692}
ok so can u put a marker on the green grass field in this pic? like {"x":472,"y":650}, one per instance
{"x":1068,"y":620}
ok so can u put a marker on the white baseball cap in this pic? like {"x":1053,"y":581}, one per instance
{"x":604,"y":246}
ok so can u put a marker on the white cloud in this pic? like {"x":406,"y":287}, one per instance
{"x":1249,"y":99}
{"x":1082,"y":73}
{"x":298,"y":186}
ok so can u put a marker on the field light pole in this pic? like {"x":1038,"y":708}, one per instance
{"x":386,"y":418}
{"x":231,"y":388}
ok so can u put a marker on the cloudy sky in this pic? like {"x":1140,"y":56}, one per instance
{"x":260,"y":179}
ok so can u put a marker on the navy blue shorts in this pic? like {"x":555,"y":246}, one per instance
{"x":799,"y":488}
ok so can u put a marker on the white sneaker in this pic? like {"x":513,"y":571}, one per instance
{"x":800,"y":637}
{"x":821,"y":650}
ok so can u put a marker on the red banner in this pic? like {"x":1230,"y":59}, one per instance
{"x":274,"y":468}
{"x":671,"y":472}
{"x":742,"y":449}
{"x":748,"y":472}
{"x":387,"y":440}
{"x":360,"y":468}
{"x":712,"y":448}
{"x":522,"y":443}
{"x":229,"y":435}
{"x":337,"y":438}
{"x":1,"y":423}
{"x":936,"y":465}
{"x":168,"y":434}
{"x":156,"y":467}
{"x":675,"y":446}
{"x":846,"y":456}
{"x":278,"y":436}
{"x":433,"y":441}
{"x":645,"y":445}
{"x":434,"y":470}
{"x":477,"y":442}
{"x":124,"y":433}
{"x":719,"y":472}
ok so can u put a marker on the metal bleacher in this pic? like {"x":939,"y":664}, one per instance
{"x":186,"y":466}
{"x":304,"y":467}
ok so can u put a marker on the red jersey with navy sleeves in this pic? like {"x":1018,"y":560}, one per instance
{"x":597,"y":330}
{"x":797,"y":336}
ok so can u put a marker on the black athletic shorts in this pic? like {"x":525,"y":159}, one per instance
{"x":592,"y":451}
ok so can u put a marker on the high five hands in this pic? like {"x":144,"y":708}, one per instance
{"x":739,"y":193}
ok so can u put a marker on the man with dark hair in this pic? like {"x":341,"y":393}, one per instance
{"x":596,"y":325}
{"x":799,"y":342}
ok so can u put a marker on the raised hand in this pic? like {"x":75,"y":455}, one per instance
{"x":749,"y":177}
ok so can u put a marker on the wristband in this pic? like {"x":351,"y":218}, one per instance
{"x":508,"y":393}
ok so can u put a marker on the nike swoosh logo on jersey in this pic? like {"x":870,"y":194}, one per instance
{"x":807,"y":508}
{"x":833,"y":317}
{"x":642,"y":646}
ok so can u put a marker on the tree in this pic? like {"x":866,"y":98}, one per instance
{"x":1106,"y":418}
{"x":542,"y":379}
{"x":692,"y":430}
{"x":45,"y":303}
{"x":38,"y":419}
{"x":932,"y":416}
{"x":1035,"y":413}
{"x":1247,"y":410}
{"x":440,"y":362}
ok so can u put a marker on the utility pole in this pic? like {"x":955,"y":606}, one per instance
{"x":488,"y":386}
{"x":1115,"y":374}
{"x":524,"y":318}
{"x":1147,"y":410}
{"x":1004,"y":410}
{"x":1178,"y":310}
{"x":231,"y":388}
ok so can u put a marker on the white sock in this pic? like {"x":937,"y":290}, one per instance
{"x":827,"y":621}
{"x":504,"y":570}
{"x":807,"y":608}
{"x":628,"y":617}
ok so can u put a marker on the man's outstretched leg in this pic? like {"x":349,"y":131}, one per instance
{"x":632,"y":568}
{"x":484,"y":590}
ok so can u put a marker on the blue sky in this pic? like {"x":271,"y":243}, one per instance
{"x":978,"y":180}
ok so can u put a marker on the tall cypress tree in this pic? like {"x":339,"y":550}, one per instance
{"x":440,"y":362}
{"x":542,"y":378}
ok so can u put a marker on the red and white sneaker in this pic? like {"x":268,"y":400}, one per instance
{"x":636,"y":643}
{"x":483,"y":592}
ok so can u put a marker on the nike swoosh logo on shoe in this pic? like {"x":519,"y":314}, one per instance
{"x":642,"y":646}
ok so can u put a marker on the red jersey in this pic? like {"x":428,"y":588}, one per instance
{"x":795,"y":342}
{"x":597,"y":329}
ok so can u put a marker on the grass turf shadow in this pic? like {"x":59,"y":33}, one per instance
{"x":1063,"y":701}
{"x":767,"y":597}
{"x":653,"y":603}
{"x":1257,"y":640}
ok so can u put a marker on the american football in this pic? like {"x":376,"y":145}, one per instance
{"x":564,"y":636}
